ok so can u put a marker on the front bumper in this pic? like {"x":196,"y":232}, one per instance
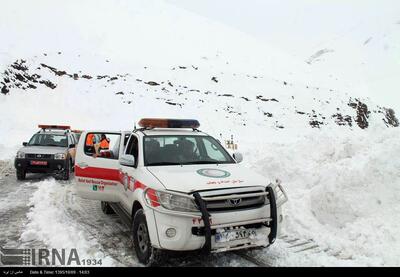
{"x":52,"y":166}
{"x":191,"y":232}
{"x":198,"y":230}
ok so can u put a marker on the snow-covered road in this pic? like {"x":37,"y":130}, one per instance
{"x":14,"y":205}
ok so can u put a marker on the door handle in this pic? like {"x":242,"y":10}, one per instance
{"x":83,"y":165}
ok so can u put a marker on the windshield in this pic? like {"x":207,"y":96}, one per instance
{"x":49,"y":140}
{"x":179,"y":150}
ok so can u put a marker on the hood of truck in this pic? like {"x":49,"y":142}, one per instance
{"x":43,"y":150}
{"x":190,"y":178}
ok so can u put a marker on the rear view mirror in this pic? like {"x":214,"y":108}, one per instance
{"x":127,"y":160}
{"x":238,"y":157}
{"x":24,"y":143}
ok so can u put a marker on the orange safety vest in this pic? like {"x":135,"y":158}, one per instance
{"x":104,"y":144}
{"x":89,"y":140}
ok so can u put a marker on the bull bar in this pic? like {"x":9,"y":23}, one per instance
{"x":274,"y":193}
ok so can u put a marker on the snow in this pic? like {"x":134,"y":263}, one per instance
{"x":49,"y":223}
{"x":343,"y":182}
{"x":302,"y":27}
{"x":343,"y":192}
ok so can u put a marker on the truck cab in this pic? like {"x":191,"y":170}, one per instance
{"x":180,"y":189}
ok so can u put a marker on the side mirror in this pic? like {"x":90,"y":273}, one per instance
{"x":72,"y":146}
{"x":238,"y":157}
{"x":127,"y":160}
{"x":24,"y":143}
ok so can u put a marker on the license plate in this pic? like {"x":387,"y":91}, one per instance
{"x":38,"y":162}
{"x":238,"y":234}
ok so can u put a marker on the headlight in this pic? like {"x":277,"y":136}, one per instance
{"x":60,"y":156}
{"x":20,"y":155}
{"x":176,"y":202}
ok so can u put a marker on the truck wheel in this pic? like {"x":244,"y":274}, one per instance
{"x":67,"y":171}
{"x":146,"y":254}
{"x":106,"y":208}
{"x":21,"y":174}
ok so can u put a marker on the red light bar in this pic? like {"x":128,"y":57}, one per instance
{"x":59,"y":127}
{"x":77,"y":131}
{"x":168,"y":123}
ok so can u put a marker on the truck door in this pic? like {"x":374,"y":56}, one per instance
{"x":96,"y":168}
{"x":72,"y":150}
{"x":132,"y":148}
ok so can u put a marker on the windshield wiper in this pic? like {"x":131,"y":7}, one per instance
{"x":162,"y":163}
{"x":54,"y":145}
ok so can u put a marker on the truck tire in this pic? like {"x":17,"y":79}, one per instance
{"x":146,"y":254}
{"x":67,"y":171}
{"x":106,"y":208}
{"x":21,"y":174}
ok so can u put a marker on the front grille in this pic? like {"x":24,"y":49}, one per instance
{"x":236,"y":203}
{"x":39,"y":156}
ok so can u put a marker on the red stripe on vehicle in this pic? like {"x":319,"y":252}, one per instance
{"x":139,"y":185}
{"x":98,"y":173}
{"x":151,"y":193}
{"x":115,"y":175}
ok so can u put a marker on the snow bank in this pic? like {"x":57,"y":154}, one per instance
{"x":49,"y":223}
{"x":344,"y":193}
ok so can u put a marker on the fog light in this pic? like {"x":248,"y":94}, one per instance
{"x":59,"y":166}
{"x":171,"y":232}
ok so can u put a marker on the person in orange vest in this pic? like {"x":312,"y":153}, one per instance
{"x":89,"y":144}
{"x":90,"y":140}
{"x":104,"y":142}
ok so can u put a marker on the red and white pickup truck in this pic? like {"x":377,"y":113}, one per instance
{"x":179,"y":189}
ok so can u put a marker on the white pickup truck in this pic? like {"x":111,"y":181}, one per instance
{"x":179,"y":189}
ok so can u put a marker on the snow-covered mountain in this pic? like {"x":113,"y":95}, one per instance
{"x":157,"y":60}
{"x":354,"y":43}
{"x":364,"y":57}
{"x":103,"y":65}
